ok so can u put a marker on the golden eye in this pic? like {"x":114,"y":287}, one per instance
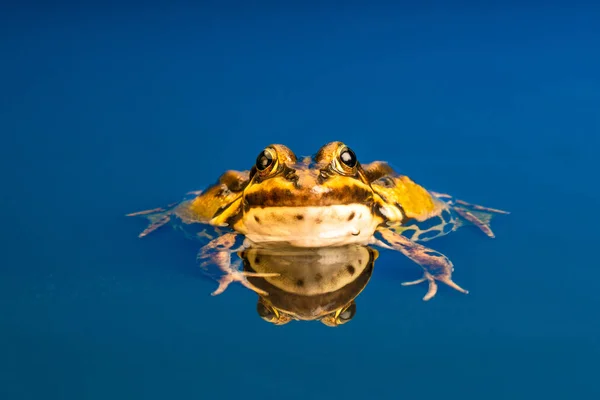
{"x":348,"y":158}
{"x":264,"y":160}
{"x":347,"y":314}
{"x":265,"y":312}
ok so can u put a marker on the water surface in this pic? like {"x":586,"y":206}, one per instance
{"x":106,"y":111}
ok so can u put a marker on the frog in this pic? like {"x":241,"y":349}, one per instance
{"x":319,"y":284}
{"x":326,"y":200}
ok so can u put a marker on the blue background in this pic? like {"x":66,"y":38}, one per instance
{"x":113,"y":109}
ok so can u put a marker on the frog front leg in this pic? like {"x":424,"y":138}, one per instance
{"x":218,"y":251}
{"x":436,"y":266}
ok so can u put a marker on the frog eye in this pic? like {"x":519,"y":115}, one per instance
{"x":348,"y":157}
{"x":265,"y":312}
{"x":264,"y":160}
{"x":347,"y":314}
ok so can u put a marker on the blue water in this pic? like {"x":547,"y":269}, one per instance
{"x":109,"y":110}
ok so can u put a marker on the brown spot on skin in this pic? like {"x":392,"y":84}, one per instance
{"x":318,"y":277}
{"x":351,"y":216}
{"x":257,"y":260}
{"x":257,"y":219}
{"x":350,"y":269}
{"x":300,"y":282}
{"x":278,"y":217}
{"x":281,"y":197}
{"x":318,"y":221}
{"x":359,"y":261}
{"x":299,"y":217}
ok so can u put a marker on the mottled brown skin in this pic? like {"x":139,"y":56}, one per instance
{"x":289,"y":183}
{"x":329,"y":193}
{"x":311,"y":285}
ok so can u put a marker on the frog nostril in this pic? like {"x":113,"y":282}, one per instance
{"x":291,"y":175}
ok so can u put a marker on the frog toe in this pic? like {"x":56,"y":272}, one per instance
{"x":478,"y":222}
{"x":163,"y":220}
{"x":158,"y":217}
{"x":474,"y":214}
{"x":432,"y":290}
{"x":433,"y":287}
{"x":235,"y":275}
{"x":477,"y":207}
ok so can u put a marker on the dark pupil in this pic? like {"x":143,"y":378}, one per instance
{"x":264,"y":160}
{"x":264,"y":312}
{"x":346,"y":315}
{"x":348,"y":158}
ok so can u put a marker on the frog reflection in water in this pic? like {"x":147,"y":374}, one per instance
{"x":327,"y":200}
{"x":309,"y":284}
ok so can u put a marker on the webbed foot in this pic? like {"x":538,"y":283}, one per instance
{"x":232,"y":273}
{"x":436,"y":266}
{"x":432,"y":290}
{"x":218,"y":252}
{"x":477,"y":215}
{"x":158,"y":217}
